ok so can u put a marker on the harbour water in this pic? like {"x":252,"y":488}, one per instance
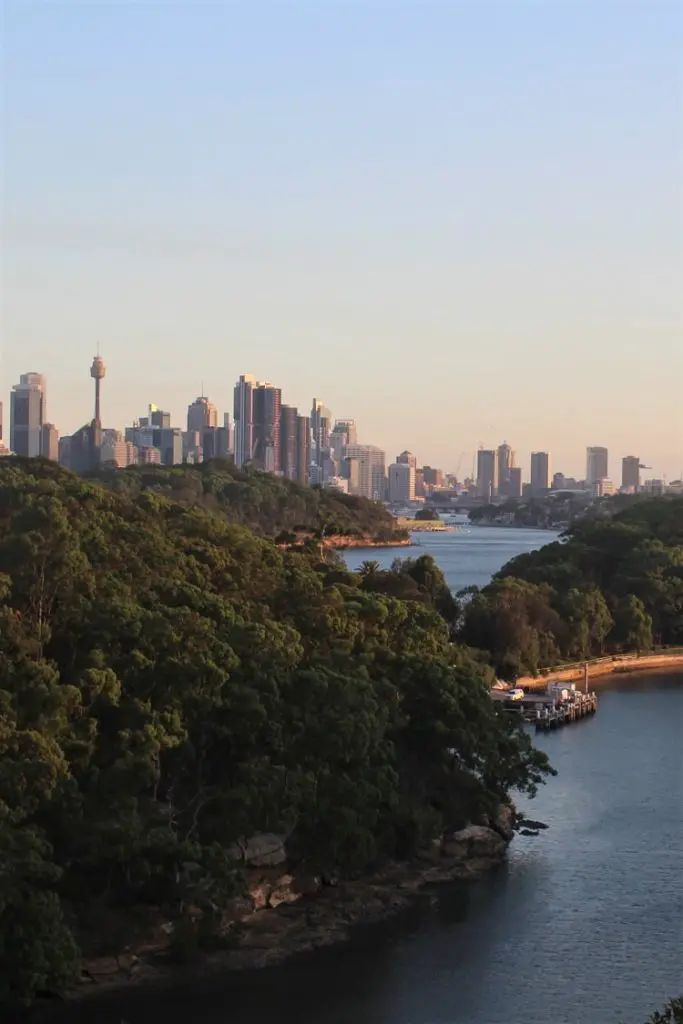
{"x":468,"y":556}
{"x":583,"y":925}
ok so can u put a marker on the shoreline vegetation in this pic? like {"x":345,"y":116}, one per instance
{"x":183,"y":701}
{"x":220,"y":746}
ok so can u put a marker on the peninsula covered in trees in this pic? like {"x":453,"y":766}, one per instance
{"x":608,"y":586}
{"x":173,"y":683}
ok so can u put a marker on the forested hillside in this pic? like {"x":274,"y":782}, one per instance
{"x":610,"y":586}
{"x":171,"y":682}
{"x":267,"y":504}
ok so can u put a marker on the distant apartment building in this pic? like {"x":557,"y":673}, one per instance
{"x":487,"y":473}
{"x":514,"y":485}
{"x":597,"y":465}
{"x":243,"y":414}
{"x":401,"y":482}
{"x":370,"y":464}
{"x":267,"y":402}
{"x":337,"y":483}
{"x":630,"y":473}
{"x":602,"y":488}
{"x":27,"y":415}
{"x":540,"y":472}
{"x":49,"y":442}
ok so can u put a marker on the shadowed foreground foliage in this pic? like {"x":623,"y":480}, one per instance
{"x":171,"y":682}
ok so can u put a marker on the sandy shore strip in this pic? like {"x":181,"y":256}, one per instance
{"x":603,"y":667}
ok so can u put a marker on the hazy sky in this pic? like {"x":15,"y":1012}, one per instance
{"x":455,"y":222}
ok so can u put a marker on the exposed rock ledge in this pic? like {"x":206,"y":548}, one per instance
{"x":287,"y":914}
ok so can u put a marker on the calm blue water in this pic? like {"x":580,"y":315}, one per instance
{"x":468,"y":557}
{"x":583,"y":925}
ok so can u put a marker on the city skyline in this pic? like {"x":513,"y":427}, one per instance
{"x":253,"y":435}
{"x":486,"y":247}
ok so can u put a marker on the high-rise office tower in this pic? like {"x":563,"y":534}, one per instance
{"x":432,"y":477}
{"x":289,"y":442}
{"x":506,"y":462}
{"x":407,"y":459}
{"x":596,"y":465}
{"x":540,"y":472}
{"x":27,"y":415}
{"x":244,"y":419}
{"x":49,"y":442}
{"x":343,"y":432}
{"x":370,"y":462}
{"x":321,"y":424}
{"x":514,"y":489}
{"x":401,"y":482}
{"x":487,"y":473}
{"x":201,"y":414}
{"x":266,"y":434}
{"x":630,"y":473}
{"x":303,"y":448}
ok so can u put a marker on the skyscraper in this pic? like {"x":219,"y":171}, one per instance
{"x":630,"y":473}
{"x":344,"y":432}
{"x":401,"y":482}
{"x":266,"y":430}
{"x":201,"y":414}
{"x":303,"y":448}
{"x":506,"y":462}
{"x":244,"y":419}
{"x":407,"y":459}
{"x":540,"y":472}
{"x":321,"y":423}
{"x":289,"y":442}
{"x":514,"y":489}
{"x":27,"y":415}
{"x":596,"y":465}
{"x":49,"y":442}
{"x":487,"y":473}
{"x":370,"y":462}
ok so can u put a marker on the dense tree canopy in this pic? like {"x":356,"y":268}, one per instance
{"x":610,"y":585}
{"x":171,"y":682}
{"x":269,"y":505}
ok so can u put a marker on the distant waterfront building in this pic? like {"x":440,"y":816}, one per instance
{"x":506,"y":462}
{"x":49,"y":442}
{"x":201,"y":414}
{"x":27,"y":415}
{"x":337,"y":483}
{"x":267,"y":402}
{"x":514,"y":487}
{"x":540,"y":472}
{"x":602,"y":488}
{"x":630,"y":473}
{"x":487,"y":473}
{"x":597,"y":465}
{"x":401,"y":482}
{"x":370,"y":462}
{"x":244,"y":419}
{"x":149,"y":456}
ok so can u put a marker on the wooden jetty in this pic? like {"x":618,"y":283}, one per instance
{"x":553,"y":716}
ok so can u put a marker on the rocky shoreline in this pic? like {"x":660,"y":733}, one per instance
{"x":284,"y":915}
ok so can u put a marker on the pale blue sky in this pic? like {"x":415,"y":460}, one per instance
{"x":457,"y":223}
